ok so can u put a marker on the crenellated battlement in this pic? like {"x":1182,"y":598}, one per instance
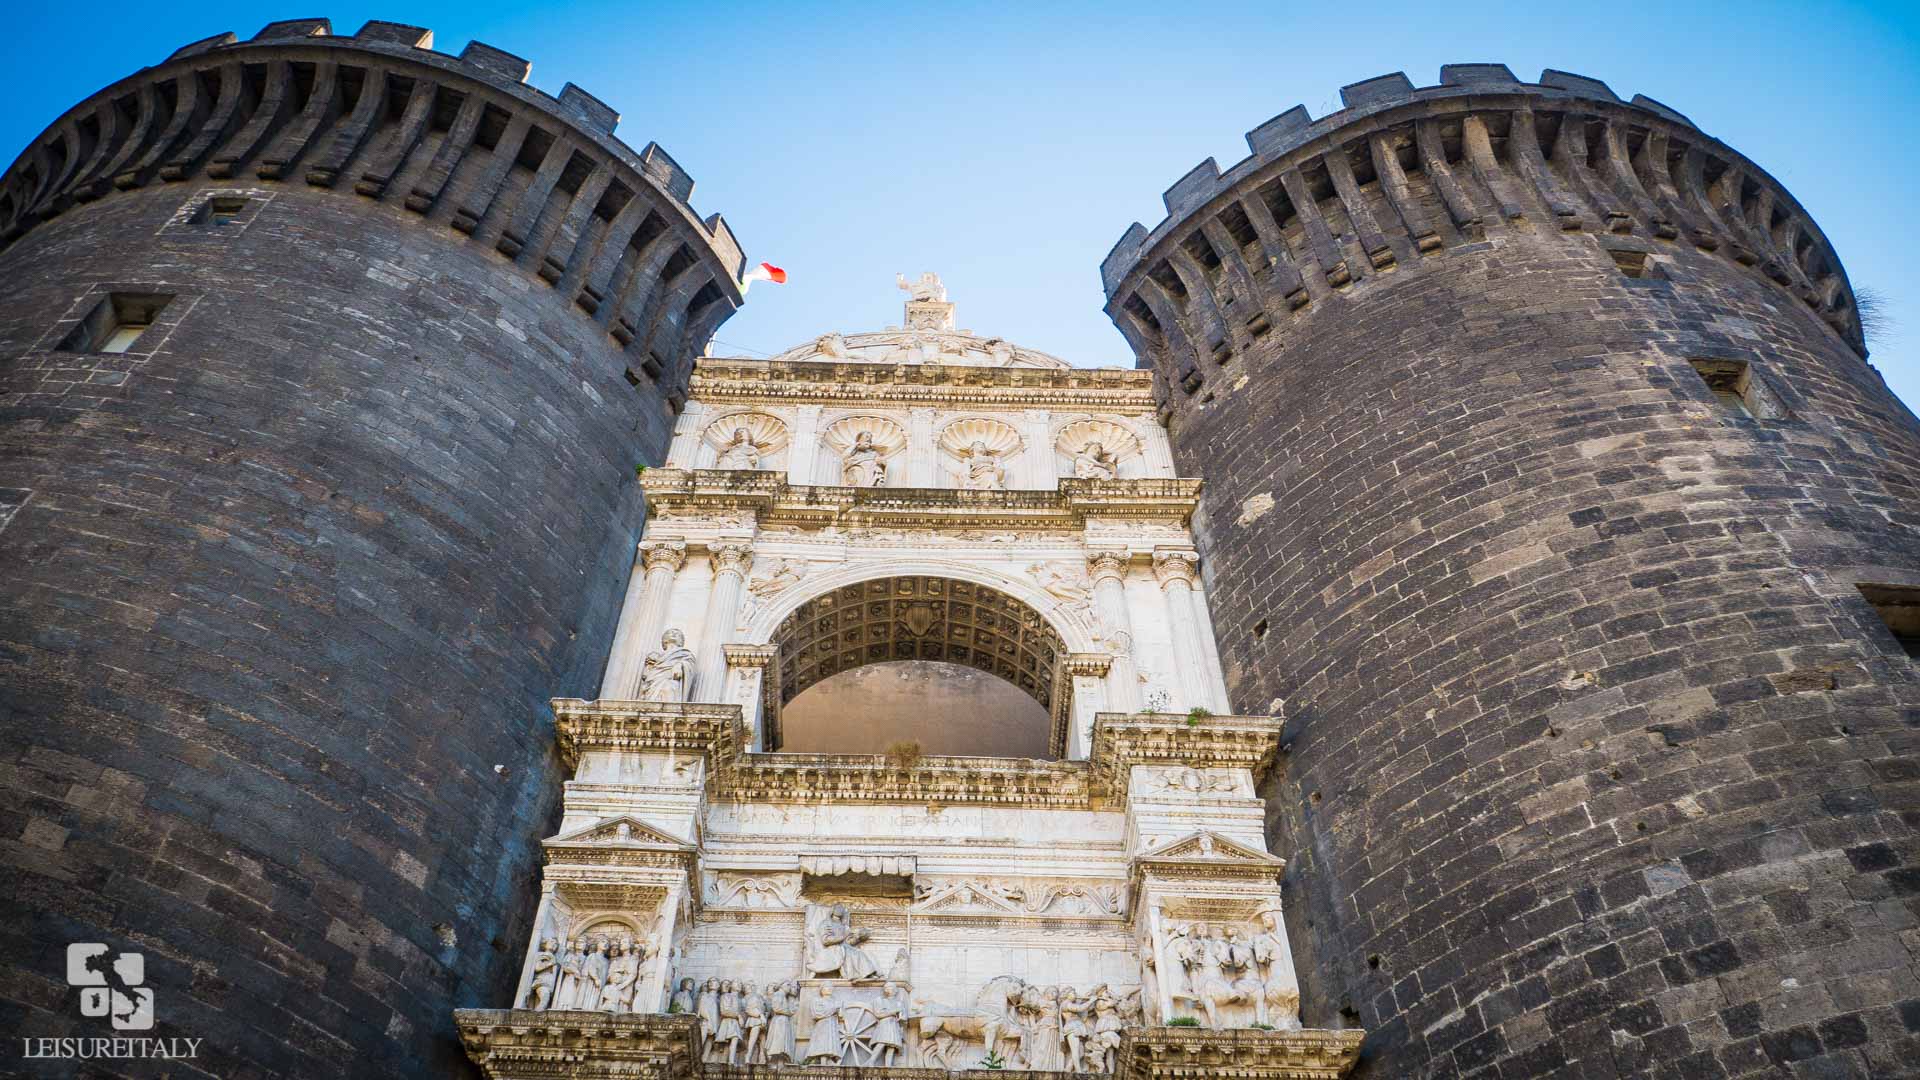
{"x":1403,"y":174}
{"x":460,"y":140}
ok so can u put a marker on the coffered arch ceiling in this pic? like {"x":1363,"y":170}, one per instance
{"x":919,"y":618}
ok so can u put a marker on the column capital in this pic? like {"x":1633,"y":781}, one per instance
{"x":1174,"y":564}
{"x":1105,"y":564}
{"x":731,"y":557}
{"x":663,"y":554}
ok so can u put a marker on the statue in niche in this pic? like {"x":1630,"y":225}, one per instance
{"x":1218,"y":966}
{"x":753,"y":1023}
{"x":823,"y":1036}
{"x":682,"y":1000}
{"x":741,"y":452}
{"x":667,"y":670}
{"x":1093,"y":462}
{"x":729,"y":1030}
{"x":1279,"y":1002}
{"x":862,"y":466}
{"x":833,"y":945}
{"x":567,"y":993}
{"x":546,"y":968}
{"x":782,"y":1000}
{"x":926,"y":289}
{"x":984,"y":472}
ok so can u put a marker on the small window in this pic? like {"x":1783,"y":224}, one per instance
{"x":1636,"y":264}
{"x":115,"y":323}
{"x":1899,"y":607}
{"x":221,"y":210}
{"x":1738,"y":389}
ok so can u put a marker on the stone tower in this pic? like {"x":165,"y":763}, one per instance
{"x":327,"y":363}
{"x":1548,"y":485}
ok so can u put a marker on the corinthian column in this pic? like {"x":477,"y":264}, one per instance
{"x":723,"y":607}
{"x":642,"y":615}
{"x":1109,"y":572}
{"x":1175,"y":569}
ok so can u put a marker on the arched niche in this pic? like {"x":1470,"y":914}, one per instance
{"x":1114,"y":438}
{"x":997,"y":437}
{"x":933,"y":638}
{"x":768,"y":434}
{"x":840,"y":436}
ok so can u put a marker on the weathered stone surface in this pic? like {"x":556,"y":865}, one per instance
{"x":283,"y":583}
{"x":1599,"y":763}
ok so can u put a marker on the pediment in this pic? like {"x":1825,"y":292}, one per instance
{"x":608,"y":833}
{"x":1209,"y":846}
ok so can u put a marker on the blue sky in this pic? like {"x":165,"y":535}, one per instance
{"x":1009,"y":146}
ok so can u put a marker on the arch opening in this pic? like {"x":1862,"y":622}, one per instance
{"x":952,"y":666}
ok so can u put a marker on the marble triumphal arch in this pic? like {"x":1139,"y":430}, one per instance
{"x":913,"y":748}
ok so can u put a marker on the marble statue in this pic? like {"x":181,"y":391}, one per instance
{"x":833,"y":945}
{"x":741,"y":452}
{"x":1092,"y":462}
{"x":667,"y":670}
{"x":1104,"y":1049}
{"x":545,"y":970}
{"x":923,"y":290}
{"x":729,"y":1031}
{"x":823,"y":1036}
{"x":782,"y":1000}
{"x":753,"y":1023}
{"x":1279,"y":1002}
{"x":1076,"y":1026}
{"x":830,"y":345}
{"x":1040,"y":1013}
{"x":682,"y":1000}
{"x":863,"y":466}
{"x":623,"y":969}
{"x":1218,"y":973}
{"x":593,"y":976}
{"x":984,"y":472}
{"x":708,"y":1009}
{"x":898,"y":970}
{"x":567,"y":995}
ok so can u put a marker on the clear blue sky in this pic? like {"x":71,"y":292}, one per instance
{"x":1008,"y":146}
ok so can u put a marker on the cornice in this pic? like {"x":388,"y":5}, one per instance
{"x":681,"y":727}
{"x":1200,"y":1054}
{"x":1201,"y":741}
{"x":773,"y":500}
{"x":731,"y":381}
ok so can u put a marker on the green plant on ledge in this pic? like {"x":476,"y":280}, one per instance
{"x":1197,"y":714}
{"x":1184,"y":1021}
{"x":639,"y":470}
{"x":1263,"y":1027}
{"x":993,"y":1061}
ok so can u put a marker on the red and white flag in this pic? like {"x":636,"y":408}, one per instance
{"x":764,"y":272}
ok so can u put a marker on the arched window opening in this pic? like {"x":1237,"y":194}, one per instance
{"x":951,"y":666}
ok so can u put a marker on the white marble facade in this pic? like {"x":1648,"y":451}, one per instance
{"x":880,"y":910}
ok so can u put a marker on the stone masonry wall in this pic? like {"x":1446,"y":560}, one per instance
{"x":1598,"y":763}
{"x":281,"y":585}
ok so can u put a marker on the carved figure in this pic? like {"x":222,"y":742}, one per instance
{"x":1104,"y":1049}
{"x":741,"y":452}
{"x":784,"y":573}
{"x":1094,"y":463}
{"x":984,"y":472}
{"x":567,"y":995}
{"x":898,"y":970}
{"x":623,"y":970}
{"x":863,"y":466}
{"x":833,"y":945}
{"x":682,"y":1001}
{"x":782,"y":1000}
{"x":924,"y":289}
{"x":989,"y":1020}
{"x":886,"y":1035}
{"x":753,"y":1022}
{"x":667,"y":670}
{"x":593,"y":976}
{"x":823,"y":1036}
{"x":830,"y":345}
{"x":709,"y":1011}
{"x":729,"y":1030}
{"x":1279,"y":1002}
{"x":1075,"y":1026}
{"x":1040,"y":1013}
{"x":1216,"y":977}
{"x":545,"y":971}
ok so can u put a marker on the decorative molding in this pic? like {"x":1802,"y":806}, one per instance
{"x":702,"y":493}
{"x":1193,"y":1053}
{"x":1123,"y":740}
{"x":787,"y":382}
{"x":663,"y":554}
{"x":860,"y":778}
{"x":1171,"y":565}
{"x":680,"y":727}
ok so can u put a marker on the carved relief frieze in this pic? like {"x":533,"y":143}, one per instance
{"x":1022,"y":896}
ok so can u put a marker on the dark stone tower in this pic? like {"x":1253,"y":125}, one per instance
{"x":325,"y":364}
{"x":1549,"y":486}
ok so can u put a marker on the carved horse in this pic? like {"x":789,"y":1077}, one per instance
{"x":990,"y":1020}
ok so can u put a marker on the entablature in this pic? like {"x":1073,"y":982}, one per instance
{"x":729,"y":381}
{"x":772,"y":499}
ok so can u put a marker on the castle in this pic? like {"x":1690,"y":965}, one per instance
{"x":1475,"y":640}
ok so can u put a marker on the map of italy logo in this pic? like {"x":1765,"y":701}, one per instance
{"x":109,"y":982}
